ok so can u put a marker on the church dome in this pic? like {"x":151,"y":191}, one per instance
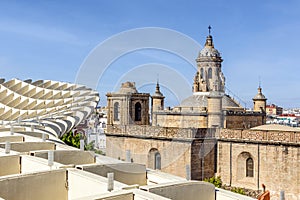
{"x":198,"y":100}
{"x":128,"y":87}
{"x":259,"y":95}
{"x":209,"y":50}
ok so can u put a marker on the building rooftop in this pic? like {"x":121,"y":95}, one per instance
{"x":36,"y":164}
{"x":199,"y":99}
{"x":276,"y":127}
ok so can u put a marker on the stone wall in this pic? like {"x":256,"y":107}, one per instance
{"x":243,"y":121}
{"x":276,"y":156}
{"x":203,"y":159}
{"x":178,"y":148}
{"x":175,"y":155}
{"x":182,"y":120}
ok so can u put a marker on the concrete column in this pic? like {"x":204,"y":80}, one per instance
{"x":7,"y":147}
{"x":110,"y":181}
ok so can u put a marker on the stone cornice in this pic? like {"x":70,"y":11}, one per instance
{"x":262,"y":136}
{"x":160,"y":132}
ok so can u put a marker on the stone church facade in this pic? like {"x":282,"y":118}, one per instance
{"x":249,"y":158}
{"x":208,"y":134}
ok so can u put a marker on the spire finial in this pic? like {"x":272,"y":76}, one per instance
{"x":157,"y":89}
{"x":157,"y":83}
{"x":209,"y":40}
{"x":259,"y":85}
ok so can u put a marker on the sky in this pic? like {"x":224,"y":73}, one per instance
{"x":258,"y":41}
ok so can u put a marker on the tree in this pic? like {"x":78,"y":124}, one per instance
{"x":71,"y":139}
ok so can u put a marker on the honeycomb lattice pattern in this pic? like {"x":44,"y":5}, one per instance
{"x":50,"y":106}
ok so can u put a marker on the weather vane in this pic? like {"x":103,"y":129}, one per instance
{"x":209,"y":28}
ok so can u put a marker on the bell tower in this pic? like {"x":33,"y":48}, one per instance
{"x":209,"y":76}
{"x":210,"y":81}
{"x":157,"y":99}
{"x":259,"y":101}
{"x":128,"y":106}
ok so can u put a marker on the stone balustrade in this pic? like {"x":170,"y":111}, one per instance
{"x":191,"y":133}
{"x":261,"y":135}
{"x":160,"y":132}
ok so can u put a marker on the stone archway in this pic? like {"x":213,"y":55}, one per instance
{"x":116,"y":111}
{"x":245,"y":165}
{"x":138,"y":112}
{"x":154,"y":159}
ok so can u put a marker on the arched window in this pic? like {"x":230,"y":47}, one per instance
{"x":157,"y":160}
{"x":201,"y":73}
{"x":116,"y":111}
{"x":209,"y":73}
{"x":138,"y":112}
{"x":249,"y":167}
{"x":154,"y":159}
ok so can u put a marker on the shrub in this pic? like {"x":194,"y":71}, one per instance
{"x":238,"y":190}
{"x":71,"y":140}
{"x":214,"y":180}
{"x":74,"y":141}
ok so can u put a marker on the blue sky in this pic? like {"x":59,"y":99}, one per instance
{"x":51,"y":39}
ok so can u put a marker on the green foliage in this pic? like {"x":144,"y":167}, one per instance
{"x":89,"y":146}
{"x":238,"y":190}
{"x":74,"y":141}
{"x":214,"y":180}
{"x":97,"y":151}
{"x":218,"y":183}
{"x":71,"y":140}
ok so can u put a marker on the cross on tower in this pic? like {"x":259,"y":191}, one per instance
{"x":209,"y":28}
